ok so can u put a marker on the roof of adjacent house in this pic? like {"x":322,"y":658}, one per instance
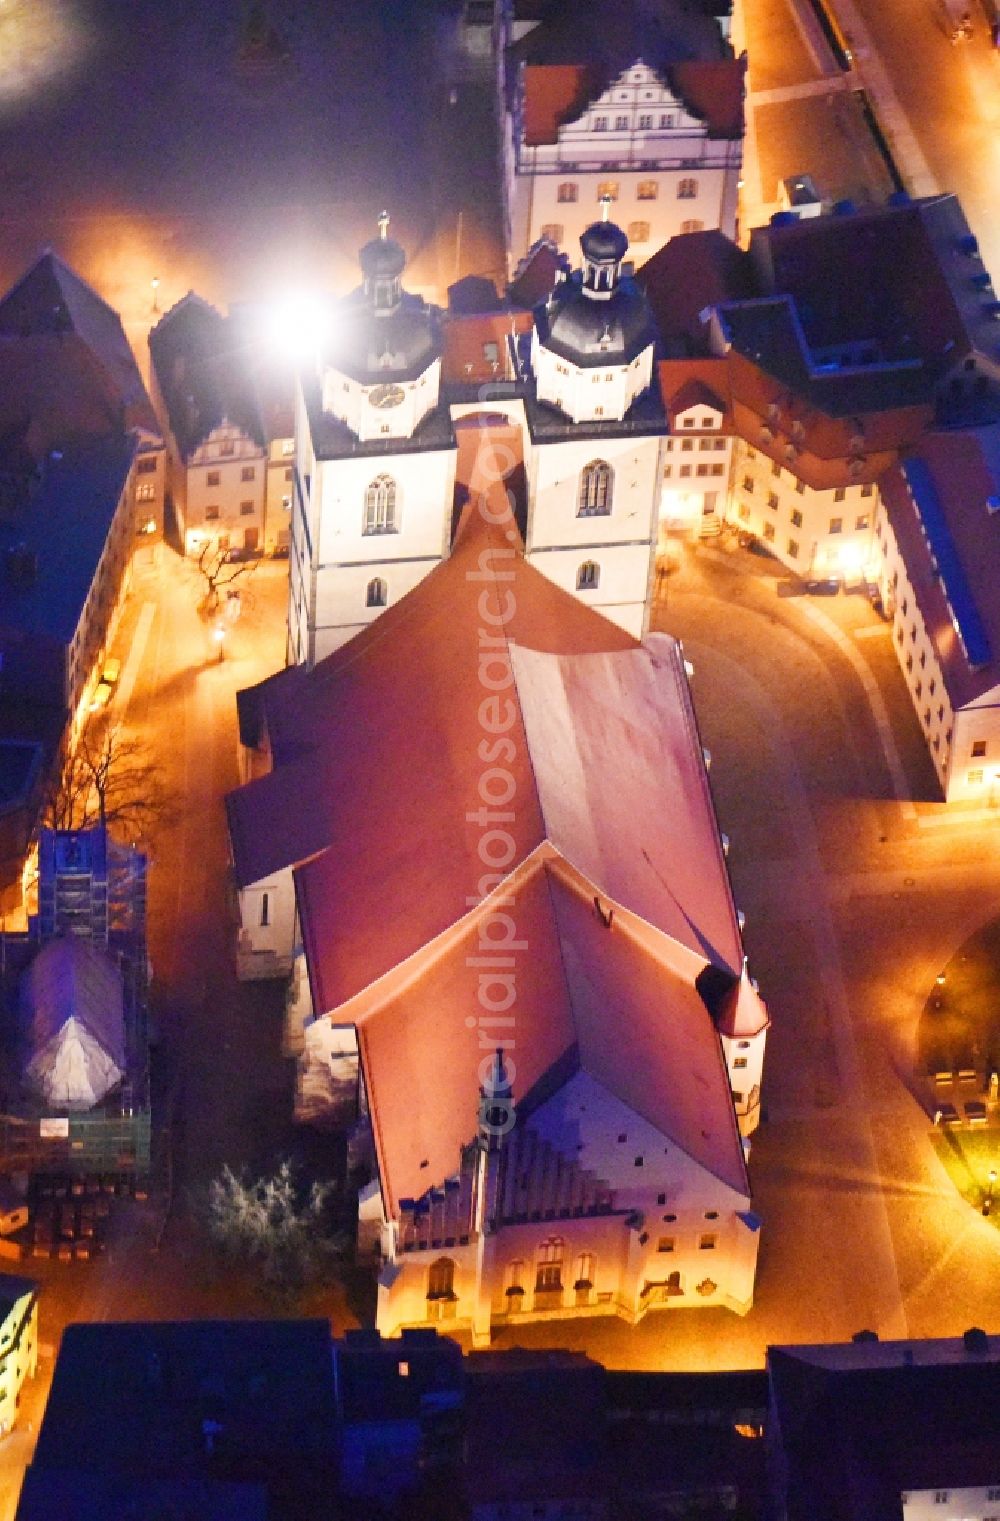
{"x":246,"y":1402}
{"x":686,"y":383}
{"x":943,"y":502}
{"x":659,"y":32}
{"x":905,"y":278}
{"x":71,"y":979}
{"x":536,"y":274}
{"x":690,"y":272}
{"x":469,"y":340}
{"x":12,"y":1288}
{"x":557,"y":93}
{"x":861,"y":1425}
{"x":395,"y":1379}
{"x":203,"y":374}
{"x":64,"y":526}
{"x":535,"y":1430}
{"x":52,"y":1494}
{"x":49,"y":307}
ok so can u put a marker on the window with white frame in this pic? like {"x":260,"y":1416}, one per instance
{"x":380,"y":506}
{"x":548,"y":1271}
{"x":596,"y":490}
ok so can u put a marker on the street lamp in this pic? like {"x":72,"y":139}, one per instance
{"x":988,"y":1201}
{"x":219,"y":635}
{"x":155,"y":283}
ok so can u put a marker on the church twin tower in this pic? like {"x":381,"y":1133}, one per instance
{"x":376,"y":445}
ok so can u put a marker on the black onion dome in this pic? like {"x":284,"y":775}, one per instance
{"x":382,"y":259}
{"x":397,"y":345}
{"x":604,"y":243}
{"x":588,"y":332}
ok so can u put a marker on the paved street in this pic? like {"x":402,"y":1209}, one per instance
{"x":853,"y":903}
{"x":938,"y":104}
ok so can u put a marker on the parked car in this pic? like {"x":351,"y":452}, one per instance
{"x":112,"y":670}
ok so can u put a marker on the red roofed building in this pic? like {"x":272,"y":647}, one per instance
{"x":645,"y":105}
{"x":487,"y":823}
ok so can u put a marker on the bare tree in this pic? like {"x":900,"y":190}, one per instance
{"x":219,"y":570}
{"x":274,"y":1223}
{"x":110,"y":779}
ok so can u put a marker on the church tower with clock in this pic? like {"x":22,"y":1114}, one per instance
{"x":376,"y":449}
{"x":375,"y":459}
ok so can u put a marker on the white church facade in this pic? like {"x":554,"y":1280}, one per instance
{"x":378,"y":433}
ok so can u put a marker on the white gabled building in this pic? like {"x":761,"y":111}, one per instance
{"x":541,"y":874}
{"x":646,"y":108}
{"x":217,"y":443}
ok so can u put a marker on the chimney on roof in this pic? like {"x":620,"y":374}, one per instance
{"x":861,"y":1337}
{"x":975,"y":1340}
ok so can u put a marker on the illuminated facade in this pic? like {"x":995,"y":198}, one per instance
{"x":379,"y":427}
{"x":220,"y":458}
{"x":648,"y":111}
{"x":622,"y":1184}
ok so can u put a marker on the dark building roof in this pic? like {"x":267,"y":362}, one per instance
{"x":535,"y":1428}
{"x":246,"y":1402}
{"x":397,"y":1379}
{"x":689,"y":273}
{"x":397,"y":345}
{"x":51,"y":304}
{"x":203,"y":375}
{"x":660,"y":32}
{"x":54,"y":1494}
{"x":12,"y":1288}
{"x":859,"y":1425}
{"x":593,"y":333}
{"x":51,"y":546}
{"x":537,"y":274}
{"x":902,"y":282}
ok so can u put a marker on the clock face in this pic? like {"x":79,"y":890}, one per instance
{"x":386,"y":396}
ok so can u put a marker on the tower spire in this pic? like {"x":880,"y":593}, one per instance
{"x":383,"y":225}
{"x":605,"y":207}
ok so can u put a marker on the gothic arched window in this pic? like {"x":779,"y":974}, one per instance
{"x":548,"y":1272}
{"x":596,"y":486}
{"x":380,"y":506}
{"x":588,"y":577}
{"x":377,"y":594}
{"x":441,"y":1279}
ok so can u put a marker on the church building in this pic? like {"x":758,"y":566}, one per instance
{"x":379,"y":424}
{"x":481,"y":838}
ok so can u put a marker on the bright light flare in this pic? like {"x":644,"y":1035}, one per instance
{"x":852,"y":559}
{"x":297,"y":325}
{"x":39,"y":41}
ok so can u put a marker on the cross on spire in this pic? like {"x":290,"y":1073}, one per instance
{"x":383,"y":225}
{"x":605,"y":208}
